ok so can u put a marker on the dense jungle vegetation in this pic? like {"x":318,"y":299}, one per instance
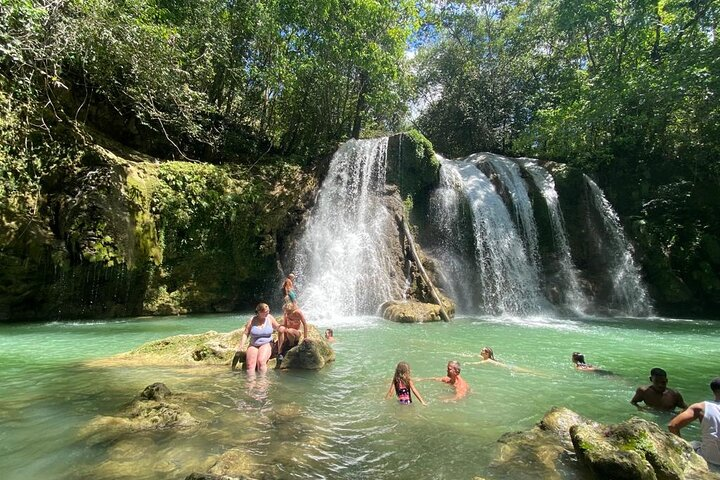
{"x":625,"y":89}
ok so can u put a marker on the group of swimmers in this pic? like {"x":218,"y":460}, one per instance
{"x":259,"y":330}
{"x":656,"y":396}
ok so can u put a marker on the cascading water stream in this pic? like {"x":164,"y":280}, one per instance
{"x":572,"y":295}
{"x":508,"y":280}
{"x":446,"y":205}
{"x":344,"y":258}
{"x":629,"y":295}
{"x":511,"y":179}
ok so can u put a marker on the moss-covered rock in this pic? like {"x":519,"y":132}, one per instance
{"x":413,"y":167}
{"x":121,"y":234}
{"x":634,"y":449}
{"x":312,"y":354}
{"x":416,"y":312}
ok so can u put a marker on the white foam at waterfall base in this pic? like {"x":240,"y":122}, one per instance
{"x":343,"y":259}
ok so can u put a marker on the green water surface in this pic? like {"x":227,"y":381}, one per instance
{"x":333,"y":423}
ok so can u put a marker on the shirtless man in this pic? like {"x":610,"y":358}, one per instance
{"x":657,"y":395}
{"x":453,"y":378}
{"x":709,"y":415}
{"x":289,"y":289}
{"x":290,"y":329}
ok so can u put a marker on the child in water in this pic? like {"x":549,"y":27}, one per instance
{"x":402,"y":384}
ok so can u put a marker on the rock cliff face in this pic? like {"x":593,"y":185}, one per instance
{"x":119,"y":234}
{"x":676,"y":236}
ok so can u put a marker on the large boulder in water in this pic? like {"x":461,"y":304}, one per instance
{"x":636,"y":449}
{"x":566,"y":445}
{"x":411,"y":312}
{"x":312,"y":354}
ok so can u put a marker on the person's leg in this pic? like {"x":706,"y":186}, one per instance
{"x":281,"y":339}
{"x":264,"y":353}
{"x":293,"y":337}
{"x":251,"y":358}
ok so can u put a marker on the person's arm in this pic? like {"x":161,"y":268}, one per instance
{"x":391,"y":389}
{"x":274,"y":323}
{"x":638,"y":397}
{"x":243,"y":339}
{"x":416,"y":393}
{"x":685,"y":418}
{"x":681,"y":401}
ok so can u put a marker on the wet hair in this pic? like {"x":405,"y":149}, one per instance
{"x":261,"y":307}
{"x":289,"y":307}
{"x":402,"y":374}
{"x":715,"y":385}
{"x":490,"y":351}
{"x":578,"y":357}
{"x":658,"y":372}
{"x":455,"y":365}
{"x":330,"y":331}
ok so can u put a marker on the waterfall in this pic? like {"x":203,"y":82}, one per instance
{"x":344,"y":259}
{"x":628,"y":294}
{"x":508,"y":280}
{"x":449,"y":209}
{"x":572,"y":295}
{"x":509,"y":175}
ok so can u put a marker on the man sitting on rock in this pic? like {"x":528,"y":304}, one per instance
{"x":708,"y":413}
{"x":657,"y":395}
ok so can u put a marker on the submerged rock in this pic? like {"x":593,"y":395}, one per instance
{"x":156,"y":408}
{"x":566,"y":445}
{"x":209,"y":348}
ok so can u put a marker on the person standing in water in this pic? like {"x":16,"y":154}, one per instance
{"x":403,"y":385}
{"x":708,"y":413}
{"x":289,"y":289}
{"x":329,"y":336}
{"x":657,"y":395}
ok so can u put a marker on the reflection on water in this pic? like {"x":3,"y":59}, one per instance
{"x":332,"y":423}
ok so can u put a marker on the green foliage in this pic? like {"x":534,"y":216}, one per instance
{"x":212,"y":78}
{"x":610,"y":85}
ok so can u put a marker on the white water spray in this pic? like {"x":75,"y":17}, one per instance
{"x":629,"y":295}
{"x":573,"y":297}
{"x":344,"y":258}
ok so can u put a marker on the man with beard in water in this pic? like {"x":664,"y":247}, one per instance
{"x":657,"y":395}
